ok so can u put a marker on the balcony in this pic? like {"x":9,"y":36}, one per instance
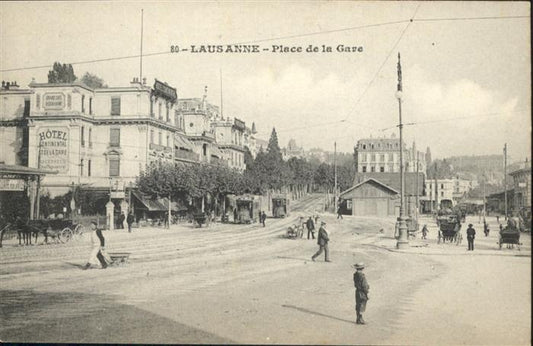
{"x":158,"y":147}
{"x":185,"y":155}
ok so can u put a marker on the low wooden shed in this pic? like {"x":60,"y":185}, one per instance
{"x":371,"y":198}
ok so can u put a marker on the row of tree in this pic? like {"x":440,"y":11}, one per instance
{"x":266,"y":173}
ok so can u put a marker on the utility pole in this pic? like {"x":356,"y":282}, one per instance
{"x":505,"y":176}
{"x":141,"y":60}
{"x":403,"y":239}
{"x":335,"y":165}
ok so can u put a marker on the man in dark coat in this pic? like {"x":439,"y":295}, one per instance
{"x":310,"y":227}
{"x":121,"y":219}
{"x":323,"y":240}
{"x":361,"y":291}
{"x":130,"y":220}
{"x":470,"y":235}
{"x":263,"y":218}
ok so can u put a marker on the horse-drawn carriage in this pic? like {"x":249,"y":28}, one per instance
{"x":510,"y":235}
{"x":62,"y":230}
{"x":449,"y":227}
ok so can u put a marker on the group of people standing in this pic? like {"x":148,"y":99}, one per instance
{"x":129,"y":220}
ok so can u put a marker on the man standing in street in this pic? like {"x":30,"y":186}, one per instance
{"x":470,"y":235}
{"x":130,"y":220}
{"x":121,"y":219}
{"x":361,"y":291}
{"x":323,"y":240}
{"x":310,"y":227}
{"x":424,"y":232}
{"x":339,"y":212}
{"x":263,"y":218}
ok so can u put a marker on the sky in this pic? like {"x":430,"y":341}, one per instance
{"x":466,"y":66}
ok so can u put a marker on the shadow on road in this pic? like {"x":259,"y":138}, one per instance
{"x":316,"y":313}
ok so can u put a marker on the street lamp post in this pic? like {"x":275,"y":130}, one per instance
{"x":403,"y":240}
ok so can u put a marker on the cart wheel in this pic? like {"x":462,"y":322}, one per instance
{"x":65,"y":235}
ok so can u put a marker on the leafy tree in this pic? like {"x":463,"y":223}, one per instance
{"x":93,"y":81}
{"x":61,"y":73}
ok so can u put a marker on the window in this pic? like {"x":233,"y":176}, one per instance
{"x":442,"y":186}
{"x":90,"y":138}
{"x":151,"y":136}
{"x":159,"y":110}
{"x":204,"y":150}
{"x":89,"y":168}
{"x":364,"y":169}
{"x":152,"y":107}
{"x":114,"y":138}
{"x":391,"y":157}
{"x":69,"y":101}
{"x":168,"y":112}
{"x":382,"y":157}
{"x":372,"y":169}
{"x":91,"y":105}
{"x":442,"y":193}
{"x":382,"y":169}
{"x":364,"y":146}
{"x":81,"y":167}
{"x":115,"y":106}
{"x":168,"y":141}
{"x":373,"y":157}
{"x":391,"y":167}
{"x":160,"y":139}
{"x":83,"y":136}
{"x":114,"y":166}
{"x":37,"y":101}
{"x":83,"y":103}
{"x":26,"y":108}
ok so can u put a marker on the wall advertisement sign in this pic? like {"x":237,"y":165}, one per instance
{"x":53,"y":148}
{"x":11,"y":184}
{"x":54,"y":101}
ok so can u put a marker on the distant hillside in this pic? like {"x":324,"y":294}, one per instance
{"x":477,"y":164}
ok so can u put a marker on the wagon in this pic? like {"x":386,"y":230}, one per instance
{"x":294,"y":232}
{"x":61,"y":229}
{"x":119,"y":258}
{"x":449,"y":227}
{"x":509,"y":236}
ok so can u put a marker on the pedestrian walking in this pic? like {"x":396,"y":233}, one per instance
{"x":310,"y":227}
{"x":339,"y":213}
{"x":263,"y":218}
{"x":470,"y":236}
{"x":486,"y":229}
{"x":121,"y":219}
{"x":361,"y":292}
{"x":98,"y":242}
{"x":424,"y":231}
{"x":129,"y":221}
{"x":323,"y":239}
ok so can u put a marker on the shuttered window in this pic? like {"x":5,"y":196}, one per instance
{"x":37,"y":101}
{"x":115,"y":106}
{"x":114,"y":167}
{"x":114,"y":138}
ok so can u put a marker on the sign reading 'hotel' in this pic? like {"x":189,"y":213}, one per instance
{"x":53,"y":148}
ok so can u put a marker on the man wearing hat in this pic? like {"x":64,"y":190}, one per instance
{"x":361,"y":291}
{"x":323,"y":240}
{"x":470,"y":235}
{"x":98,"y":242}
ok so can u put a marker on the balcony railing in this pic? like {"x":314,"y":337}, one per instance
{"x":158,"y":147}
{"x":187,"y":155}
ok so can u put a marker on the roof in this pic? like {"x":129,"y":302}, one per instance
{"x":18,"y":169}
{"x":365,"y":182}
{"x":392,"y":180}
